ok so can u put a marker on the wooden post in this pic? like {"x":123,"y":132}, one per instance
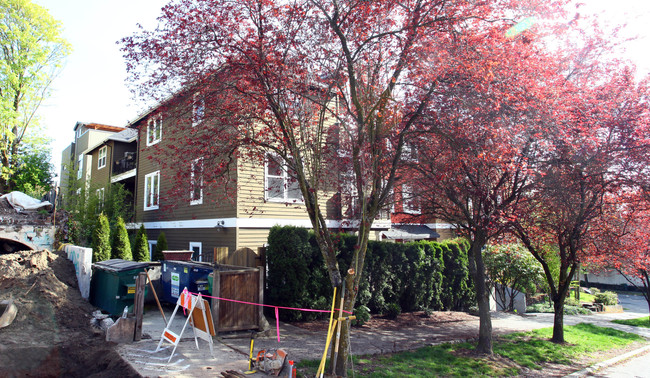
{"x":220,"y":255}
{"x":260,"y":298}
{"x":216,"y":291}
{"x":138,"y":305}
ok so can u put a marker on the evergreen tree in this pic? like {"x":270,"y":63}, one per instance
{"x":121,"y":244}
{"x":141,"y":252}
{"x":161,"y":245}
{"x":101,"y":239}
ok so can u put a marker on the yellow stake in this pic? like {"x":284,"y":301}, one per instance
{"x":329,"y":336}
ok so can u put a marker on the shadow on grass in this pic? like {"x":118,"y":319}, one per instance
{"x":512,"y":353}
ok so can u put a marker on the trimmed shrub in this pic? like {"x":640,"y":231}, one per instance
{"x":296,"y":274}
{"x":393,"y":310}
{"x":415,"y":276}
{"x":608,"y":298}
{"x":121,"y":244}
{"x":141,"y":250}
{"x":362,"y":314}
{"x":101,"y":239}
{"x":161,"y":245}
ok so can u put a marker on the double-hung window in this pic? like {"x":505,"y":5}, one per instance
{"x":154,"y":130}
{"x":198,"y":109}
{"x":196,"y":182}
{"x":100,"y":198}
{"x":101,"y":160}
{"x":410,"y":204}
{"x":151,"y":190}
{"x":280,"y":181}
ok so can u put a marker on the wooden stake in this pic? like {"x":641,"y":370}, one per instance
{"x":138,"y":305}
{"x":156,"y":297}
{"x":338,"y":331}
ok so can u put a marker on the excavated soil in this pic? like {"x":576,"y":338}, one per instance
{"x":51,"y":335}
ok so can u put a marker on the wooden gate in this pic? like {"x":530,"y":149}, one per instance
{"x":241,"y":284}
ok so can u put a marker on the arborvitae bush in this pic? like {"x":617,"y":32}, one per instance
{"x":412,"y":276}
{"x":101,"y":239}
{"x":121,"y":244}
{"x":141,"y":248}
{"x":161,"y":245}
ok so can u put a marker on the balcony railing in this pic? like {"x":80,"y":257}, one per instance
{"x":125,"y":164}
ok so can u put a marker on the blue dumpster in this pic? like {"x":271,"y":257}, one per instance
{"x":176,"y":275}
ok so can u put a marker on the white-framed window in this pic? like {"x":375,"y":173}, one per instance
{"x":197,"y":248}
{"x":101,"y":160}
{"x":409,"y":153}
{"x":410,"y":203}
{"x":152,"y":248}
{"x":81,"y":130}
{"x":154,"y":130}
{"x":196,"y":182}
{"x":280,"y":182}
{"x":151,"y":190}
{"x":80,"y":165}
{"x":198,"y":109}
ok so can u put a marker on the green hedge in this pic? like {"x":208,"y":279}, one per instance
{"x":411,"y":276}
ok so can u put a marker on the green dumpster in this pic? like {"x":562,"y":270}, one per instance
{"x":112,"y":286}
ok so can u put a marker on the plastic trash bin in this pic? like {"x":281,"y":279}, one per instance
{"x":112,"y":286}
{"x":176,"y":275}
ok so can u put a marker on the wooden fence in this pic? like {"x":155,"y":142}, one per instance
{"x":241,"y":284}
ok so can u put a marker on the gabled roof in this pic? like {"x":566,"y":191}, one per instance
{"x":126,"y":136}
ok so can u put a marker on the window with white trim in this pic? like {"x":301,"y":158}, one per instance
{"x":409,"y":152}
{"x":154,"y":130}
{"x":151,"y":190}
{"x":280,"y":181}
{"x":197,"y":248}
{"x":196,"y":182}
{"x":198,"y":109}
{"x":80,"y":165}
{"x":152,"y":248}
{"x":101,"y":160}
{"x":410,"y":204}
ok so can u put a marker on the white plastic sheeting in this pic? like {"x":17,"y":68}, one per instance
{"x":21,"y":201}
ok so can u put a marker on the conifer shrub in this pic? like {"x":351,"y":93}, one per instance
{"x":101,"y":239}
{"x":121,"y":244}
{"x":411,"y":276}
{"x":161,"y":245}
{"x":141,"y":248}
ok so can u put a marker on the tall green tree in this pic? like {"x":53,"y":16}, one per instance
{"x":101,"y":239}
{"x":161,"y":245}
{"x":141,"y":250}
{"x":121,"y":244}
{"x":33,"y":171}
{"x":31,"y":55}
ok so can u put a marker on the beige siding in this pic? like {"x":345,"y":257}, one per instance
{"x":252,"y":238}
{"x":179,"y":239}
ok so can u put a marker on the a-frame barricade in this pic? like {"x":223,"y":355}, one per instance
{"x":200,"y":318}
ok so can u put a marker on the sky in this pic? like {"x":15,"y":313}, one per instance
{"x":92,"y":85}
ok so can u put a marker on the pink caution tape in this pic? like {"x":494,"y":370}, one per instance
{"x":277,"y":317}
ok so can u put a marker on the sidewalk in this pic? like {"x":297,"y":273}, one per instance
{"x":300,"y":344}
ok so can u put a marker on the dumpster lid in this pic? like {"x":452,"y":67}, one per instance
{"x":119,"y":265}
{"x":192,"y":264}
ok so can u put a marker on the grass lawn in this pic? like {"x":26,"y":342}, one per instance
{"x":638,"y":322}
{"x":512,"y":353}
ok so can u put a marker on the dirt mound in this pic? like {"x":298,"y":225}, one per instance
{"x":51,"y":335}
{"x":9,"y":215}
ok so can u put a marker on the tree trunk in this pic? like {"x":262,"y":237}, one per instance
{"x":558,"y":319}
{"x":477,"y":268}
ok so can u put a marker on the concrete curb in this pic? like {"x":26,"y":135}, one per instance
{"x":605,"y":364}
